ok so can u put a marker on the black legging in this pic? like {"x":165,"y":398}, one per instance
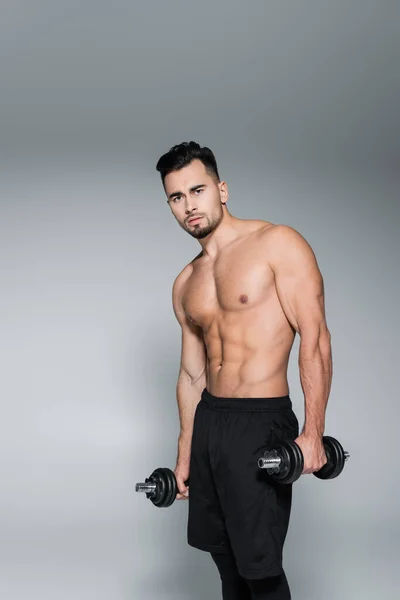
{"x":235,"y":587}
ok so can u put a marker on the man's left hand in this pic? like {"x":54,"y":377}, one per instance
{"x":313,"y":452}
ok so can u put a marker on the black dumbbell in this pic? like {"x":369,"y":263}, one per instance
{"x":285,"y":463}
{"x":161,"y":487}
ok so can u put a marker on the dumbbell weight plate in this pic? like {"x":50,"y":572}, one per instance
{"x":161,"y":493}
{"x":292,"y":463}
{"x":172,"y":488}
{"x":336,"y":459}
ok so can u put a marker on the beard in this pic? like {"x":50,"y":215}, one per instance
{"x":201,"y":231}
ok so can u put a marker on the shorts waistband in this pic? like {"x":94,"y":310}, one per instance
{"x":246,"y":404}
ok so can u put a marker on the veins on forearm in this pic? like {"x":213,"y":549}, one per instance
{"x":315,"y":375}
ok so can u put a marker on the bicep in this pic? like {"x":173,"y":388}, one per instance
{"x":300,"y":286}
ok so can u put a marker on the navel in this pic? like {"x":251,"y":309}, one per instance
{"x":243,"y":298}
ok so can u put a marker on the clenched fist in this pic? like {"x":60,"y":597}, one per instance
{"x":181,"y":473}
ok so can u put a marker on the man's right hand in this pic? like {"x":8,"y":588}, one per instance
{"x":181,"y":473}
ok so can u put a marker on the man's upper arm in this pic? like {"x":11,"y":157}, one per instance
{"x":298,"y":281}
{"x":193,"y":351}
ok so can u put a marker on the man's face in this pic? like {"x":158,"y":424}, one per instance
{"x":194,"y":193}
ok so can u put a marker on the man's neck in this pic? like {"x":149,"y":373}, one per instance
{"x":227,"y":231}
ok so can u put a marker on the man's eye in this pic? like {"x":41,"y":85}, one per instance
{"x":199,"y":190}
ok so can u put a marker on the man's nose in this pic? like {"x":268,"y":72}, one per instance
{"x":190,"y":206}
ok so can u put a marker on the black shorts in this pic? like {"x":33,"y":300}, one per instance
{"x":234,"y":506}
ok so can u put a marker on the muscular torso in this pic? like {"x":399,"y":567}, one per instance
{"x":233,"y":300}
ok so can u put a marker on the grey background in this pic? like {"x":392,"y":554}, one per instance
{"x":299,"y":101}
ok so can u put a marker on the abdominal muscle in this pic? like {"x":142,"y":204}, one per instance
{"x":247,"y":357}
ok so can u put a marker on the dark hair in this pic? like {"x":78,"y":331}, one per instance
{"x":182,"y":155}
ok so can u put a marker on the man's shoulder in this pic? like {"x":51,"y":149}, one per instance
{"x":268,"y":230}
{"x":184,"y":274}
{"x":278,"y":235}
{"x":284,"y":245}
{"x":188,"y":269}
{"x":278,"y":230}
{"x":179,"y":286}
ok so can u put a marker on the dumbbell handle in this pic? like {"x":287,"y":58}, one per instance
{"x":272,"y":461}
{"x":147,"y":488}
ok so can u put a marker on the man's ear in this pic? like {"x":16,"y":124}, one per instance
{"x":223,"y":188}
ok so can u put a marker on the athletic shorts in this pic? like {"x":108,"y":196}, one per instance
{"x":234,"y":506}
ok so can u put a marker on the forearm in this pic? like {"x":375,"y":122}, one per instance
{"x":316,"y":368}
{"x":188,"y":394}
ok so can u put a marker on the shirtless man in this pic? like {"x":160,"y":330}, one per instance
{"x":240,"y":303}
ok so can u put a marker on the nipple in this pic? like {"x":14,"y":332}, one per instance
{"x":243,"y":298}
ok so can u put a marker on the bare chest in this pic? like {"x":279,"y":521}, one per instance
{"x":234,"y":283}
